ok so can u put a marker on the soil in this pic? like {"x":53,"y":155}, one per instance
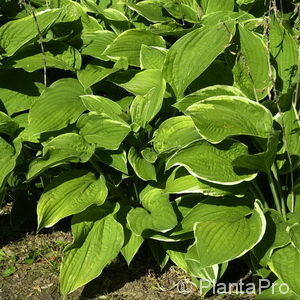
{"x":29,"y":269}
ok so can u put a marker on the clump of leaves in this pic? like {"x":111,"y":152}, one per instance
{"x":171,"y":121}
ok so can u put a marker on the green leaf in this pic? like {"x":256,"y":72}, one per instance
{"x":175,"y":133}
{"x":181,"y":182}
{"x":116,"y":159}
{"x":262,"y":161}
{"x":220,"y":117}
{"x":17,"y":33}
{"x":157,"y":212}
{"x":290,"y":124}
{"x":276,"y":236}
{"x":69,"y":194}
{"x":102,"y":130}
{"x":7,"y":160}
{"x":211,"y":6}
{"x":95,"y":43}
{"x":145,"y":107}
{"x":152,"y":57}
{"x":277,"y":292}
{"x":221,"y":237}
{"x":114,"y":15}
{"x":7,"y":125}
{"x":98,"y":238}
{"x":69,"y":147}
{"x":183,"y":11}
{"x":210,"y":91}
{"x":294,"y":232}
{"x":50,"y":113}
{"x":212,"y":163}
{"x":179,"y":69}
{"x":101,"y":104}
{"x":19,"y":89}
{"x":56,"y":55}
{"x":285,"y":264}
{"x":142,"y":168}
{"x":252,"y":70}
{"x":96,"y":71}
{"x":131,"y":246}
{"x":194,"y":208}
{"x":284,"y":50}
{"x":128,"y":44}
{"x":141,"y":83}
{"x":150,"y":10}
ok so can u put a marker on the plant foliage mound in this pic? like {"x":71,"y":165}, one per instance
{"x":174,"y":123}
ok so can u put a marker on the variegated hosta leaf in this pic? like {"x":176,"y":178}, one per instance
{"x":157,"y":213}
{"x":101,"y":104}
{"x":152,"y":57}
{"x":149,"y":88}
{"x":15,"y":34}
{"x":69,"y":147}
{"x":50,"y":113}
{"x":181,"y":182}
{"x":197,"y":48}
{"x":142,"y":168}
{"x":175,"y":133}
{"x":224,"y":236}
{"x":285,"y":264}
{"x":252,"y":70}
{"x":128,"y":44}
{"x":69,"y":194}
{"x":210,"y":91}
{"x":103,"y":131}
{"x":98,"y":238}
{"x":212,"y":163}
{"x":220,"y":117}
{"x":284,"y":50}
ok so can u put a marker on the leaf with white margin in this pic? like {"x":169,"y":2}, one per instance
{"x":128,"y":44}
{"x":275,"y":292}
{"x":261,"y":161}
{"x":101,"y":104}
{"x":103,"y":131}
{"x":69,"y":147}
{"x":194,"y":208}
{"x":50,"y":113}
{"x":144,"y":108}
{"x":285,"y":264}
{"x":194,"y":48}
{"x":221,"y":237}
{"x":142,"y":168}
{"x":157,"y":213}
{"x":16,"y":33}
{"x":153,"y":57}
{"x":252,"y":69}
{"x":94,"y":43}
{"x":175,"y":133}
{"x":212,"y":163}
{"x":276,"y":236}
{"x":98,"y":238}
{"x":217,"y":118}
{"x":181,"y":182}
{"x":68,"y":194}
{"x":57,"y":55}
{"x":202,"y":94}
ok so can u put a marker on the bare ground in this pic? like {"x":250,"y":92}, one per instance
{"x":29,"y":269}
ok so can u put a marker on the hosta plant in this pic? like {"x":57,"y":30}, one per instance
{"x":173,"y":123}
